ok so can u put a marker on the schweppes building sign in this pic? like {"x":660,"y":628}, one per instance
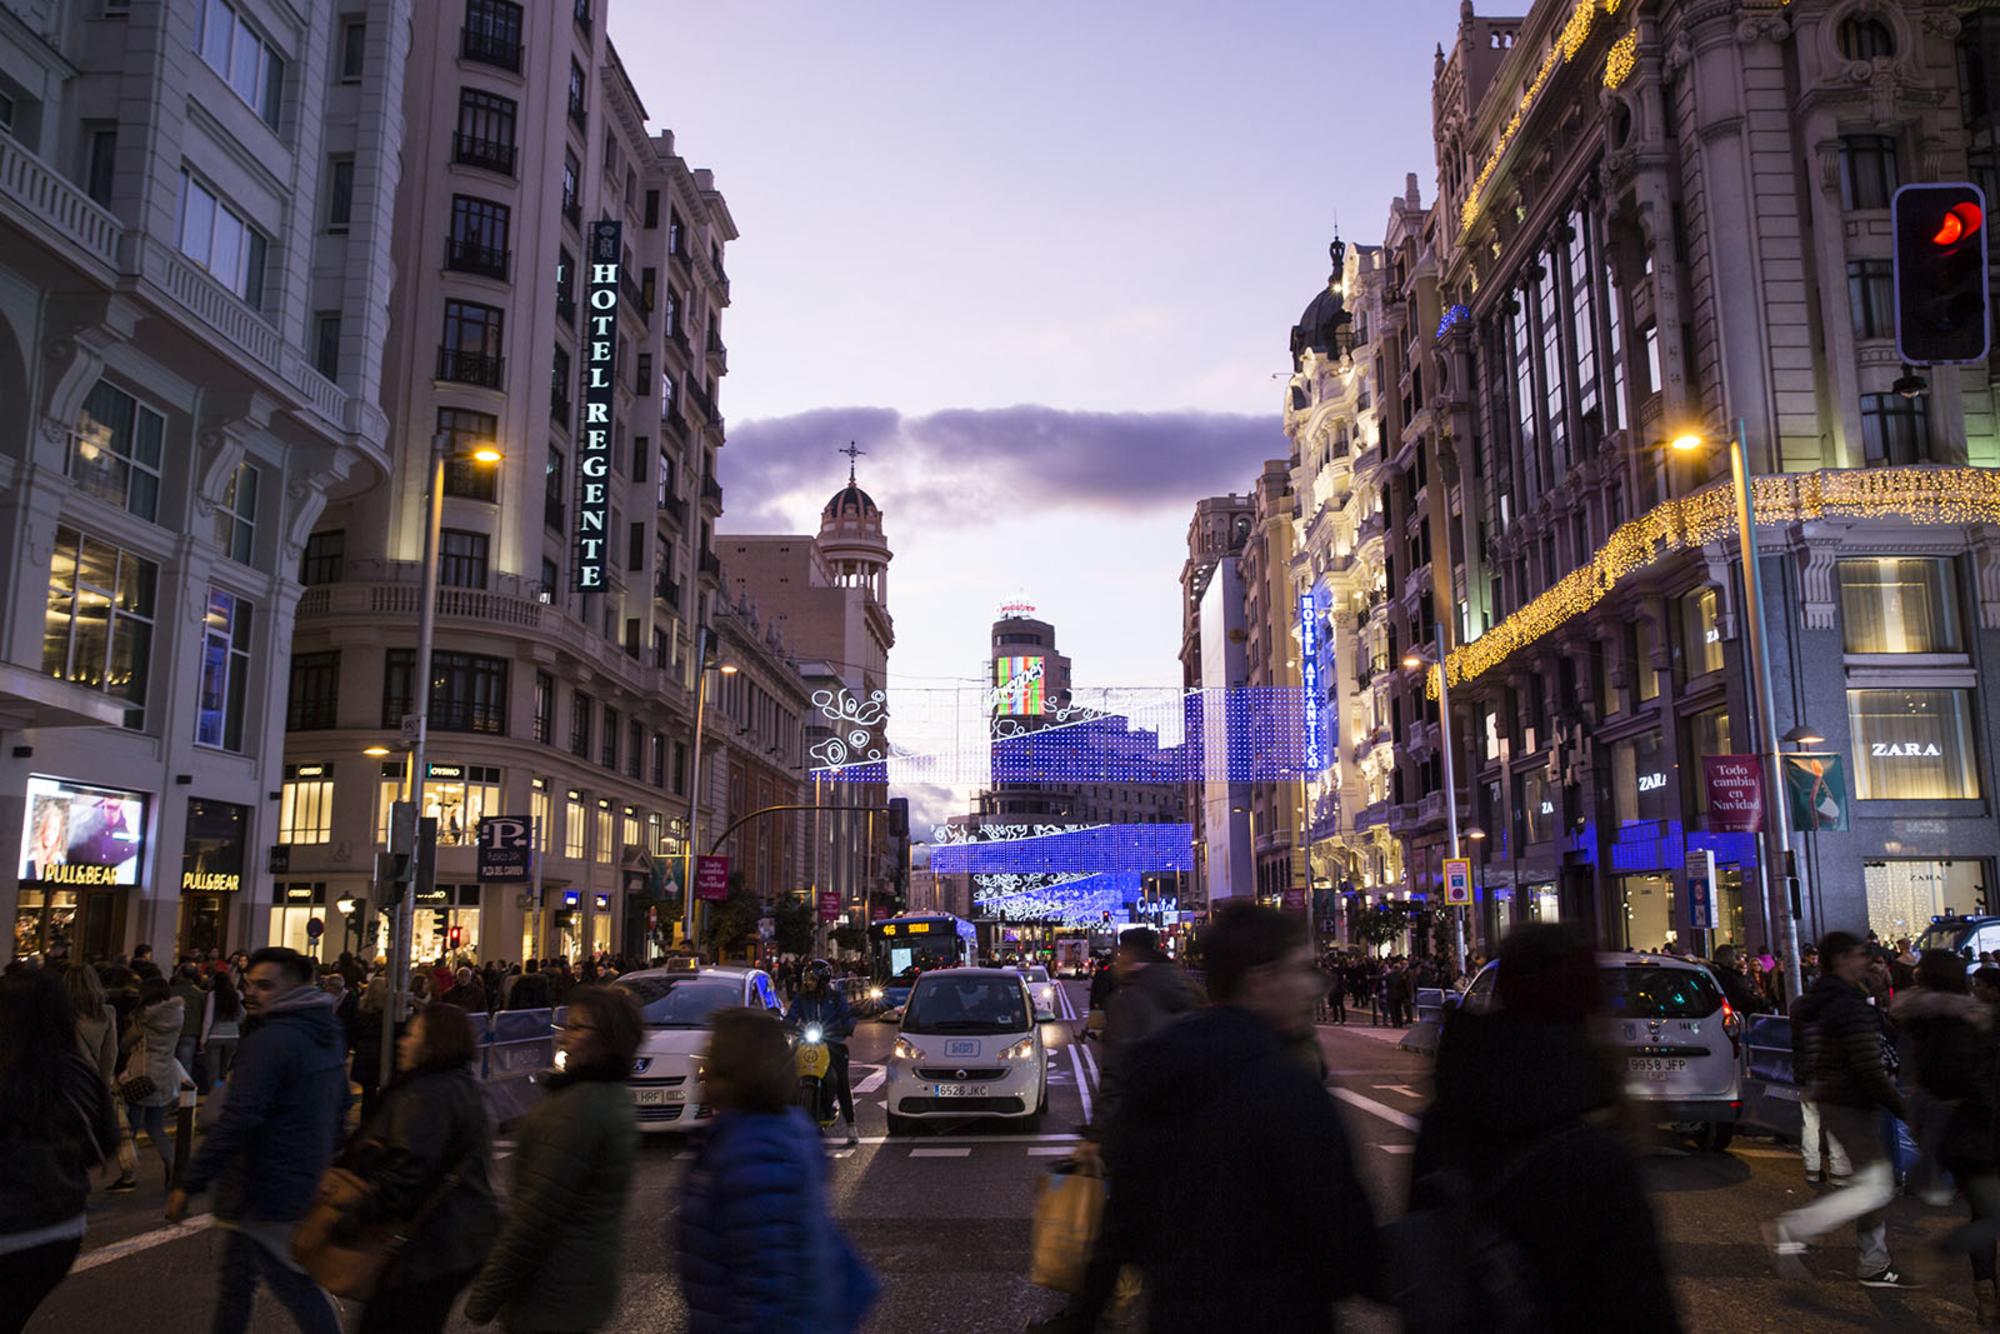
{"x":78,"y":875}
{"x":210,"y":882}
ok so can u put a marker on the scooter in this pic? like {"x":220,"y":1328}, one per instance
{"x":813,"y":1062}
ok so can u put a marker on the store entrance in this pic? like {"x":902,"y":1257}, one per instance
{"x":204,"y":924}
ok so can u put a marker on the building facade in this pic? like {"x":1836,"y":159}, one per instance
{"x":1218,"y":532}
{"x":195,"y":210}
{"x":1271,"y":660}
{"x":559,"y":291}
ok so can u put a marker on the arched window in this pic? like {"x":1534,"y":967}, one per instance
{"x":1866,"y":39}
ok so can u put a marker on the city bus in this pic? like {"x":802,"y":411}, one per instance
{"x":901,"y":947}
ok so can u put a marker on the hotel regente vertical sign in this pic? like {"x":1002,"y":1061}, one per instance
{"x":600,"y":379}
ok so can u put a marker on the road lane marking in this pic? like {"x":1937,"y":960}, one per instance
{"x":1053,"y":1137}
{"x":683,"y":1155}
{"x":1082,"y":1089}
{"x":872,"y":1082}
{"x":145,"y":1241}
{"x":1397,"y":1148}
{"x":1403,"y":1089}
{"x":940,"y":1153}
{"x":1374,"y":1108}
{"x":1049,"y":1151}
{"x":1090,"y":1061}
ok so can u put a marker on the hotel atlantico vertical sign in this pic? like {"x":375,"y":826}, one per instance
{"x":600,"y":379}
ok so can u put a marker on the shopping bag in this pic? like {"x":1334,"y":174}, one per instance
{"x":1069,"y":1208}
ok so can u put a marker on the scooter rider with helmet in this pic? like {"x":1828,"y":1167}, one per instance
{"x":820,"y":1005}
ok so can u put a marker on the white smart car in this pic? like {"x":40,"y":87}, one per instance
{"x":1043,"y":989}
{"x":676,"y":1005}
{"x":969,"y":1048}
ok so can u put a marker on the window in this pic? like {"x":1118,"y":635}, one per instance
{"x":1912,"y":744}
{"x":314,"y":701}
{"x":606,"y":835}
{"x":1645,"y":650}
{"x":551,"y":576}
{"x":1639,"y":779}
{"x":541,"y":810}
{"x":479,"y":237}
{"x":652,"y":210}
{"x":610,"y":756}
{"x":579,"y":109}
{"x":115,"y":451}
{"x":1538,"y":807}
{"x":1899,"y":604}
{"x":566,"y":286}
{"x":463,"y":429}
{"x":1871,"y":291}
{"x":1708,"y":734}
{"x":225,"y":672}
{"x":468,"y":691}
{"x":492,"y":33}
{"x":98,"y":629}
{"x":583,"y":14}
{"x":469,"y":351}
{"x":1866,"y":39}
{"x":305,"y":804}
{"x":1894,"y":430}
{"x":1614,"y":351}
{"x":1701,"y":637}
{"x":236,"y":516}
{"x":658,"y":757}
{"x":461,"y":558}
{"x":244,"y":59}
{"x":485,"y":133}
{"x":1651,"y":336}
{"x":353,"y":49}
{"x":325,"y":559}
{"x":680,"y":768}
{"x":559,"y":383}
{"x":1868,"y":171}
{"x":326,"y":344}
{"x":635,"y":547}
{"x":218,"y":238}
{"x":572,"y":206}
{"x":100,"y":167}
{"x":339,"y":193}
{"x":581,"y":708}
{"x":573,"y":832}
{"x":552,"y":491}
{"x":630,"y":831}
{"x":458,"y":797}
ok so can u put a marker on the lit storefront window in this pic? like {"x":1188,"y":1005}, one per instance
{"x":295,"y":905}
{"x":655,"y":832}
{"x":573,"y":833}
{"x":1701,"y":637}
{"x":605,"y":830}
{"x":1896,"y":604}
{"x":1639,"y":779}
{"x":542,"y":810}
{"x":1912,"y":745}
{"x":1538,"y":807}
{"x":305,"y":804}
{"x":1903,"y":895}
{"x":1708,"y":734}
{"x":457,"y":796}
{"x":446,"y":924}
{"x":632,"y":827}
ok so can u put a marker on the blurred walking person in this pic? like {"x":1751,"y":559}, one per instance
{"x":221,"y":1028}
{"x":1522,"y":1146}
{"x":56,"y":1124}
{"x":1841,"y":1035}
{"x":367,"y":1067}
{"x":152,"y":1075}
{"x":275,"y":1136}
{"x":426,"y":1155}
{"x":97,"y":1036}
{"x":759,"y":1250}
{"x":556,"y":1265}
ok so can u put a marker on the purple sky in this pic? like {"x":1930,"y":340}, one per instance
{"x":1041,"y":261}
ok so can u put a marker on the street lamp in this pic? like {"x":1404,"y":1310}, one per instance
{"x":1413,"y":660}
{"x":1777,"y":832}
{"x":703,"y":662}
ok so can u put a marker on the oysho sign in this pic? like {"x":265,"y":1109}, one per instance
{"x":600,"y":379}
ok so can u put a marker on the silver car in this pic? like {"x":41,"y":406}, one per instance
{"x":1679,"y":1042}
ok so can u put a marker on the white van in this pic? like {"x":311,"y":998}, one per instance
{"x":1677,"y":1040}
{"x":968,"y":1048}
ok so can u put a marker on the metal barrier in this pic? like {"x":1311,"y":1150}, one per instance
{"x":514,"y":1047}
{"x":1423,"y":1035}
{"x":1770,"y":1086}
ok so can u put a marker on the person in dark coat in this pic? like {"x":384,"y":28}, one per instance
{"x":428,"y":1150}
{"x":555,"y":1267}
{"x":267,"y":1151}
{"x":367,"y":1064}
{"x":530,"y":990}
{"x":1735,"y":984}
{"x":56,"y":1124}
{"x":757,"y":1188}
{"x":1952,"y":1037}
{"x":1523,"y":1133}
{"x":466,"y":992}
{"x":1151,"y":990}
{"x":1281,"y":1228}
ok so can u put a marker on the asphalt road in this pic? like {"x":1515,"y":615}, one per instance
{"x":944,"y":1219}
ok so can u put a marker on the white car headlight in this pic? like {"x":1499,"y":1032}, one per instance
{"x":813,"y":1033}
{"x":874,"y":993}
{"x":904,"y":1051}
{"x":1023,"y":1050}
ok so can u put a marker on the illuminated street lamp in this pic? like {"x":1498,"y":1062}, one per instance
{"x":1414,"y":660}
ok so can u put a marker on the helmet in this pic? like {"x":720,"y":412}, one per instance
{"x":821,"y":972}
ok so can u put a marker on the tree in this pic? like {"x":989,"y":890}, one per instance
{"x":1380,"y":923}
{"x":794,"y":920}
{"x":732,"y":923}
{"x":851,"y":938}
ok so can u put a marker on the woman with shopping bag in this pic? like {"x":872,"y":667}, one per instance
{"x":152,"y":1078}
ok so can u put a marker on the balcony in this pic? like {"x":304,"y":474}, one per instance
{"x":711,"y":493}
{"x":465,"y":256}
{"x":668,"y":591}
{"x":704,"y":405}
{"x":675,"y":508}
{"x":674,"y":424}
{"x":711,"y":566}
{"x":681,"y":259}
{"x":678,"y":337}
{"x":634,"y":294}
{"x":718,"y":353}
{"x":490,"y":48}
{"x":476,"y":368}
{"x":472,"y":151}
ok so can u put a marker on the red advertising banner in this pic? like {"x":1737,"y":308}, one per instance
{"x":1735,"y":787}
{"x":1295,"y":901}
{"x":829,"y":905}
{"x":711,"y":878}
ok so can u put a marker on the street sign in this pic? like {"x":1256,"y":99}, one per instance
{"x":1700,"y":885}
{"x":1458,"y":882}
{"x":711,"y":878}
{"x":767,"y":928}
{"x":829,"y":905}
{"x":281,"y":859}
{"x":315,"y":928}
{"x":504,"y":848}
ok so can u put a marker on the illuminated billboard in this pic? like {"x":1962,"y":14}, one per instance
{"x":600,"y":374}
{"x":1017,"y":686}
{"x":81,"y":835}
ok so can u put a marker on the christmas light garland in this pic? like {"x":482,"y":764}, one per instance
{"x":1923,"y":495}
{"x":1621,"y":59}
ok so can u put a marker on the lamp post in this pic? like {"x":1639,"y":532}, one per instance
{"x":694,"y":781}
{"x":1450,"y":776}
{"x":418,"y":733}
{"x":1778,"y":920}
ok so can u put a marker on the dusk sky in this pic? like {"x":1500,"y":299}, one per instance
{"x":1041,"y":261}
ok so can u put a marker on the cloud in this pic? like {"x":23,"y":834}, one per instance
{"x":967,"y":465}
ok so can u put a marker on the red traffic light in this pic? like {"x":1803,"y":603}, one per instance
{"x":1960,"y":222}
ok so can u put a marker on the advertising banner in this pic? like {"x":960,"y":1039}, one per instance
{"x":1735,"y":789}
{"x":829,"y":905}
{"x":80,"y":835}
{"x":1816,"y":786}
{"x":711,"y":878}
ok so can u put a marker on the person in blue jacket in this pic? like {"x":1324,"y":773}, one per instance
{"x":821,"y":1004}
{"x":759,"y":1250}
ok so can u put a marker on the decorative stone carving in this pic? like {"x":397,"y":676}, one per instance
{"x":1816,"y":574}
{"x":1986,"y":564}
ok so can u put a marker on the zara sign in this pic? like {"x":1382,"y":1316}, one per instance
{"x":600,"y":378}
